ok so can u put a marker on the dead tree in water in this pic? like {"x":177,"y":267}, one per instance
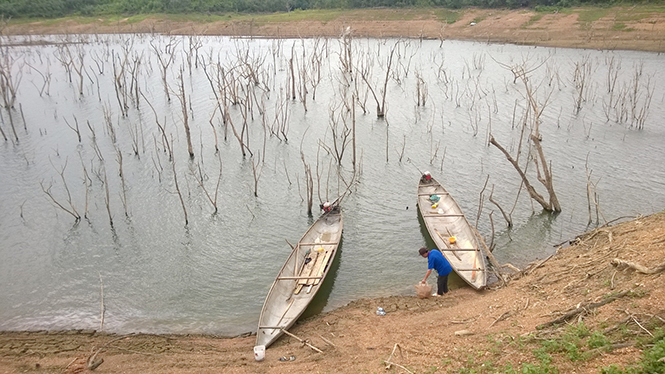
{"x":200,"y":178}
{"x":340,"y":135}
{"x":71,"y":210}
{"x":2,"y":132}
{"x":421,"y":89}
{"x":76,"y":128}
{"x":592,"y":194}
{"x":121,"y":174}
{"x":543,"y":170}
{"x":79,"y":66}
{"x":240,"y":136}
{"x":195,"y":43}
{"x":506,"y":216}
{"x":64,"y":55}
{"x":8,"y":87}
{"x":309,"y":181}
{"x":185,"y":116}
{"x":309,"y":185}
{"x":107,"y":196}
{"x":280,"y":124}
{"x":165,"y":62}
{"x":217,"y":84}
{"x":353,"y":129}
{"x":257,"y":170}
{"x":46,"y":86}
{"x":530,"y":189}
{"x":380,"y":104}
{"x":303,"y":79}
{"x":120,"y":84}
{"x":581,"y":77}
{"x":169,"y":149}
{"x":346,"y":57}
{"x":87,"y":181}
{"x":292,"y":70}
{"x":316,"y":60}
{"x":134,"y":70}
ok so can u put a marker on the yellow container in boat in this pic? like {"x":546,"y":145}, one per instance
{"x":435,"y":205}
{"x":452,"y":240}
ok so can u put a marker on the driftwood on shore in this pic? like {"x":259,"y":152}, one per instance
{"x":623,"y":264}
{"x":582,"y":308}
{"x":303,"y":341}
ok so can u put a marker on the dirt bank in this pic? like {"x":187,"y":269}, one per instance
{"x":496,"y":328}
{"x":634,"y":28}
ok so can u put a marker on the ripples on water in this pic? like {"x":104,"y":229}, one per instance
{"x":212,"y":275}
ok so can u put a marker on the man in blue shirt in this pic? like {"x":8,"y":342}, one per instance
{"x":435,"y":260}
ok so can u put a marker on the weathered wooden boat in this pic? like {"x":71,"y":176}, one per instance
{"x":300,"y":278}
{"x":451,"y":232}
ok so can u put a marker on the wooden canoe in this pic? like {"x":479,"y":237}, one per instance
{"x":444,"y":219}
{"x":300,"y":278}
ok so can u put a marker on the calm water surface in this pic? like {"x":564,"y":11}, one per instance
{"x":211,"y":275}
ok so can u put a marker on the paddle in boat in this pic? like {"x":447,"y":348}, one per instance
{"x":451,"y":232}
{"x":301,"y":276}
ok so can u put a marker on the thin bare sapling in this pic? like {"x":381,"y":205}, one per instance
{"x":165,"y":57}
{"x":169,"y":148}
{"x":70,"y":205}
{"x":200,"y":178}
{"x":185,"y":117}
{"x":365,"y":74}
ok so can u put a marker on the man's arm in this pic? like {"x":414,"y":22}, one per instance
{"x":429,"y":271}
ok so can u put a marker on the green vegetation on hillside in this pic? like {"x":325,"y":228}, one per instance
{"x":60,"y":8}
{"x":577,"y":343}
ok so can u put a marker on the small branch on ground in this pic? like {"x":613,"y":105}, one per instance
{"x":93,"y":362}
{"x":582,"y":309}
{"x":305,"y":342}
{"x":622,"y":264}
{"x":389,"y":363}
{"x":501,"y":318}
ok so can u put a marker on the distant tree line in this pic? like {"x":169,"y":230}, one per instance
{"x":59,"y":8}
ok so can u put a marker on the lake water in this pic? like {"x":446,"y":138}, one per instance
{"x":154,"y":273}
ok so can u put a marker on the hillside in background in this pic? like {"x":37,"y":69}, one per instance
{"x":634,"y":28}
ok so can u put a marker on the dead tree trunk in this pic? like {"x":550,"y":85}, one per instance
{"x":309,"y":181}
{"x":544,"y":175}
{"x":532,"y":191}
{"x":165,"y":62}
{"x":381,"y":104}
{"x":293,"y":76}
{"x":169,"y":148}
{"x":185,"y":116}
{"x":200,"y":180}
{"x":543,"y":170}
